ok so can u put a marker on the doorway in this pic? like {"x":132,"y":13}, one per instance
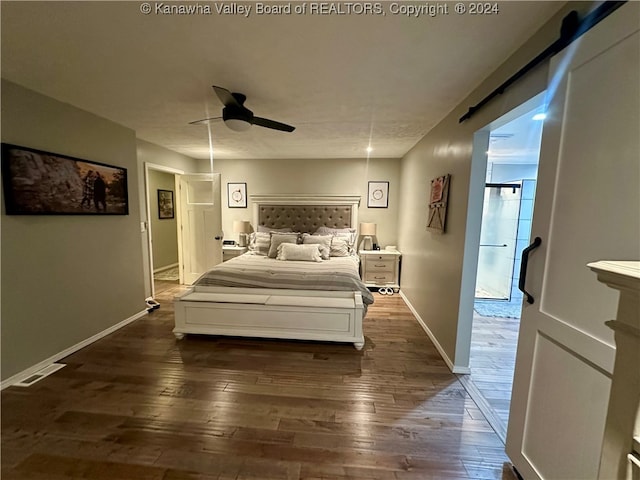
{"x":511,"y":150}
{"x":162,"y":227}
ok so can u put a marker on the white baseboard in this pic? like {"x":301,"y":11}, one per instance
{"x":19,"y":377}
{"x":166,"y":267}
{"x":433,"y":338}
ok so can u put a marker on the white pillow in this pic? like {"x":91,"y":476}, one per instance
{"x":324,"y":241}
{"x":329,"y":231}
{"x":304,"y":253}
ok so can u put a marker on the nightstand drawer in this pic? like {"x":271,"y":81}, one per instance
{"x":380,"y":257}
{"x":229,"y":252}
{"x":380,"y":268}
{"x":375,"y":265}
{"x":380,"y":277}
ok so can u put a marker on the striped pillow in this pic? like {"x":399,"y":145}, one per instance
{"x":259,"y":243}
{"x":340,"y":247}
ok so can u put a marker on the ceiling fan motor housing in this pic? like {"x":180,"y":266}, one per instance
{"x":237,"y":118}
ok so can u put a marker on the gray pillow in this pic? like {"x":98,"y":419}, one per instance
{"x":323,"y":240}
{"x":277,"y":239}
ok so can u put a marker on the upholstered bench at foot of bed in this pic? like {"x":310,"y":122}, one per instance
{"x":259,"y":313}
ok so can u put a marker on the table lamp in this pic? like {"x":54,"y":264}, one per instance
{"x":368,"y":231}
{"x":242,"y":227}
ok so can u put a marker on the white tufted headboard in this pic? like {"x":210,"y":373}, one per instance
{"x":305,"y":213}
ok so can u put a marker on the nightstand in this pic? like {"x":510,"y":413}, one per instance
{"x":380,"y":268}
{"x":230,"y":251}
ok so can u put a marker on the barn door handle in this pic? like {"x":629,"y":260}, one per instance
{"x":523,"y":267}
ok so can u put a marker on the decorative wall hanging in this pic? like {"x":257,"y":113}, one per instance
{"x":378,"y":196}
{"x":36,"y":182}
{"x":237,"y":195}
{"x":165,"y":204}
{"x":438,"y":204}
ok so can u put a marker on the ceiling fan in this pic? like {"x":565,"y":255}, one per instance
{"x":238,"y":117}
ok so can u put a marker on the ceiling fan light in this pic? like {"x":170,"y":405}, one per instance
{"x":237,"y":125}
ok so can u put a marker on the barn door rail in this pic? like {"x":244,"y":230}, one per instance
{"x":572,"y":28}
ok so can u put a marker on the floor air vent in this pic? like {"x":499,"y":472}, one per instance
{"x":39,"y":375}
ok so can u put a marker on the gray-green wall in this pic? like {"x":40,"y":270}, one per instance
{"x":66,"y":278}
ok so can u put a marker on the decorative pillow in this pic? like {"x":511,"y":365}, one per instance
{"x":304,"y":253}
{"x":263,"y":229}
{"x":340,"y":247}
{"x":259,"y":243}
{"x":330,"y":231}
{"x":325,"y":252}
{"x":323,"y":240}
{"x":348,"y":233}
{"x":277,"y":239}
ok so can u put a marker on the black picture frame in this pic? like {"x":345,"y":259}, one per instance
{"x":378,"y":194}
{"x":36,"y":182}
{"x":166,"y":205}
{"x":237,"y":195}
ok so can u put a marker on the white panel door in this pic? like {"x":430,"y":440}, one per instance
{"x":587,"y":208}
{"x":200,"y":224}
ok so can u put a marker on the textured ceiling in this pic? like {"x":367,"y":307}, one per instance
{"x":345,"y":81}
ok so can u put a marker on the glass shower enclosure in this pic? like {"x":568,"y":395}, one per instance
{"x":498,"y":236}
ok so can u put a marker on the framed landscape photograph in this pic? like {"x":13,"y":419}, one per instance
{"x":166,"y":207}
{"x":237,"y":195}
{"x":378,"y":196}
{"x":36,"y":182}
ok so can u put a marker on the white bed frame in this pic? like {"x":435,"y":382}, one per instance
{"x":332,"y":316}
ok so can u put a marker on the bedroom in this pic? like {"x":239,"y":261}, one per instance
{"x":101,"y":272}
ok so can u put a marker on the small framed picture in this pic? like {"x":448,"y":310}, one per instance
{"x":378,"y":195}
{"x":237,"y":195}
{"x":166,"y":207}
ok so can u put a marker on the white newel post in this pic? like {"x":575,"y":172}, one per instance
{"x":620,"y":456}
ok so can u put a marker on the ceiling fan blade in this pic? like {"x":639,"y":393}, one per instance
{"x":265,"y":122}
{"x":205,"y":121}
{"x":227,"y":98}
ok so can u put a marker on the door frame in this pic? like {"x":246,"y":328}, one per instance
{"x":176,"y":198}
{"x":477,"y":181}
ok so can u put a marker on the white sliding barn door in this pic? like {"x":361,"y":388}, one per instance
{"x":200,"y":224}
{"x":587,"y":209}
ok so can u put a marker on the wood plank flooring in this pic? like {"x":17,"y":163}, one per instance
{"x":494,"y":341}
{"x":141,"y":405}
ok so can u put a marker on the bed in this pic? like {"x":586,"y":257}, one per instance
{"x":256,"y":296}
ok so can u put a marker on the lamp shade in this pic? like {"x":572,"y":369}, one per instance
{"x":367,"y":229}
{"x":241,"y":226}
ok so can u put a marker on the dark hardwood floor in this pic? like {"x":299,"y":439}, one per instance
{"x":141,"y":405}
